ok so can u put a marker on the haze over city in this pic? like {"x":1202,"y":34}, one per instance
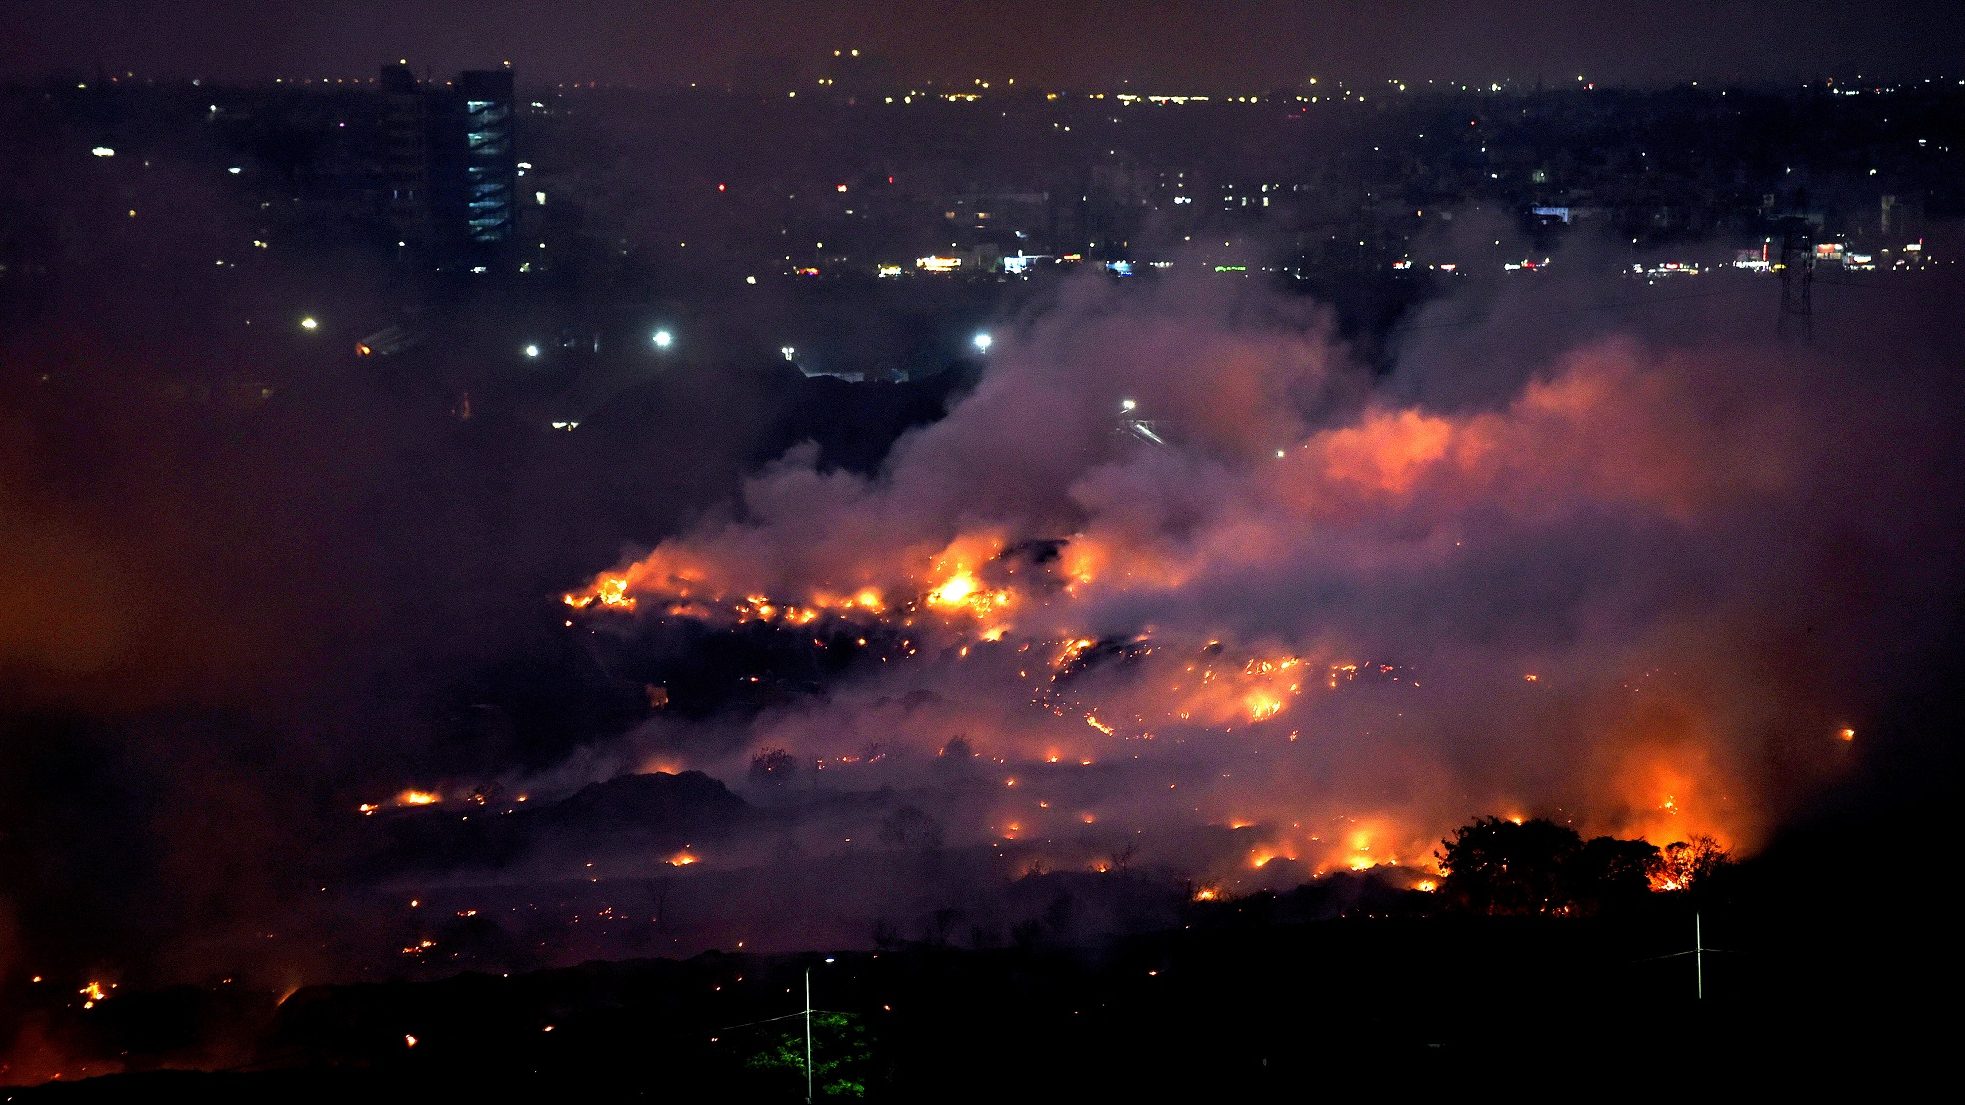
{"x":785,"y":553}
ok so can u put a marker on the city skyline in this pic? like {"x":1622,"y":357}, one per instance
{"x":764,"y":43}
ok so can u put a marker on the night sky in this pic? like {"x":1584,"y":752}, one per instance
{"x":1252,"y":46}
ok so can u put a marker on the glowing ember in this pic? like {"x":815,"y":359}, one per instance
{"x":418,"y":798}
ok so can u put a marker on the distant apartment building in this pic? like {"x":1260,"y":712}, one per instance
{"x":448,"y":160}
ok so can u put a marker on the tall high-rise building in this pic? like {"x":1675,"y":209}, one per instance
{"x":447,"y":161}
{"x":405,"y":134}
{"x":490,"y":162}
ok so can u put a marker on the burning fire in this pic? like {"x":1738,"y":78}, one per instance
{"x":1274,"y":644}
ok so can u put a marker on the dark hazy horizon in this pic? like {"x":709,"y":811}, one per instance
{"x":1252,"y":46}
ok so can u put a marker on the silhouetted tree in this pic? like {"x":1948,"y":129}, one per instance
{"x":1497,"y":866}
{"x":1607,"y":872}
{"x":841,"y":1058}
{"x":1494,"y":865}
{"x":938,"y":924}
{"x":774,"y":766}
{"x":1122,"y":859}
{"x":1687,"y":863}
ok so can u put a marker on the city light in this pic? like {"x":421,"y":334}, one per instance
{"x":982,"y":341}
{"x":663,"y":339}
{"x":532,"y":351}
{"x":103,"y":151}
{"x":1127,"y":405}
{"x":309,"y":322}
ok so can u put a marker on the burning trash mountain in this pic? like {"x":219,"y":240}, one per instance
{"x":1303,"y":624}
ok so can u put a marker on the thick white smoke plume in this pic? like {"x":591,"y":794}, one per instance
{"x":1190,"y":585}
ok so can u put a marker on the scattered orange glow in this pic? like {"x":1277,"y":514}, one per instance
{"x":1264,"y":856}
{"x":683,"y":859}
{"x":1207,"y":894}
{"x":418,"y":798}
{"x":1847,"y":734}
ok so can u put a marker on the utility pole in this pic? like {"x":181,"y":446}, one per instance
{"x":1698,"y":952}
{"x":1698,"y":968}
{"x":1797,"y":277}
{"x":808,"y":1036}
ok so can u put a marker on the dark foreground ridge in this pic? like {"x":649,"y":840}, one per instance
{"x":1342,"y":984}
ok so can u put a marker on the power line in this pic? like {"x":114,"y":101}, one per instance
{"x":750,"y":1024}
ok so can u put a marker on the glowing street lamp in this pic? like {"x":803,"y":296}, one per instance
{"x":309,"y":322}
{"x":983,"y":341}
{"x":664,"y":339}
{"x":1127,"y":405}
{"x":532,"y":351}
